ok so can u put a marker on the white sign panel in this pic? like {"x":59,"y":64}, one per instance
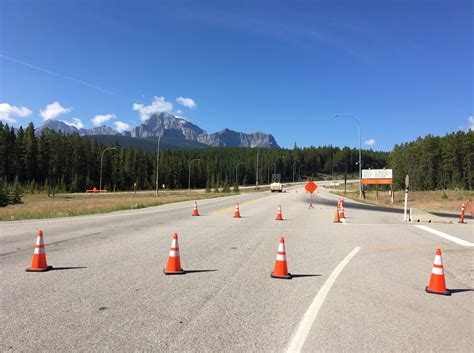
{"x":377,"y":174}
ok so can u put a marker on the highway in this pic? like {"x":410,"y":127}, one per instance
{"x":358,"y":286}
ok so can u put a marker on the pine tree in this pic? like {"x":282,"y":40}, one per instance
{"x":16,"y":192}
{"x":4,"y":199}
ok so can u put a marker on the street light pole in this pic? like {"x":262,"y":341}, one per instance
{"x":189,"y":172}
{"x":299,"y":172}
{"x":256,"y":174}
{"x":294,"y":172}
{"x":101,"y":160}
{"x":158,"y":164}
{"x":268,"y":172}
{"x":360,"y":150}
{"x":236,"y":170}
{"x":274,"y":164}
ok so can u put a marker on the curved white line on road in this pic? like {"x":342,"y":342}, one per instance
{"x":304,"y":327}
{"x":445,"y":236}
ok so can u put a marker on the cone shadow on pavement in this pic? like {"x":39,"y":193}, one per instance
{"x":199,"y":271}
{"x":68,"y":268}
{"x":296,"y":275}
{"x":460,"y":290}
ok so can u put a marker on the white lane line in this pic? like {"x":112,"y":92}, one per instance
{"x":326,"y":198}
{"x":299,"y":338}
{"x":445,"y":236}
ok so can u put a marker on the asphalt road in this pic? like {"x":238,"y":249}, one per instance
{"x":358,"y":286}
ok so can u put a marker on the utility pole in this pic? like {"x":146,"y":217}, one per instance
{"x":268,"y":172}
{"x":299,"y":171}
{"x":101,"y":159}
{"x":189,"y":171}
{"x":294,"y":172}
{"x":256,"y":174}
{"x":236,"y":174}
{"x":360,"y":150}
{"x":158,"y":164}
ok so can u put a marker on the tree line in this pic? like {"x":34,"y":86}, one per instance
{"x":53,"y":161}
{"x":434,"y":162}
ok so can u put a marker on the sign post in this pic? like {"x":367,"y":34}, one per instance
{"x":311,"y":187}
{"x":407,"y":181}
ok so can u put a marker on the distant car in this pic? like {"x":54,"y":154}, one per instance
{"x":276,"y":186}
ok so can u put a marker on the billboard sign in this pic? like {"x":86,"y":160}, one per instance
{"x":377,"y":176}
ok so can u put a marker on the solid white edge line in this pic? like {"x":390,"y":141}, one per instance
{"x":304,"y":327}
{"x":445,"y":236}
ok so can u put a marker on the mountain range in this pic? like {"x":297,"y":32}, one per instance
{"x":172,"y":128}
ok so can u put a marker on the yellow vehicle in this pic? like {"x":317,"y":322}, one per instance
{"x":276,"y":186}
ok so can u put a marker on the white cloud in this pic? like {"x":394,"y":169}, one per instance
{"x":369,"y":142}
{"x":98,"y":120}
{"x":471,"y":122}
{"x":7,"y":112}
{"x":159,"y":105}
{"x":186,"y":102}
{"x":53,"y":110}
{"x":121,"y":126}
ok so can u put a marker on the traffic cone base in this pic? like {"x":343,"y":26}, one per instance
{"x":282,"y":277}
{"x":47,"y":268}
{"x":446,"y":292}
{"x":182,"y":272}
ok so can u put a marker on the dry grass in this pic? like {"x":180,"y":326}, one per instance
{"x":64,"y":205}
{"x":431,"y":201}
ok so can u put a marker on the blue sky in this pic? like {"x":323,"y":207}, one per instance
{"x":403,"y":68}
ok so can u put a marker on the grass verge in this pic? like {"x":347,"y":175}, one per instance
{"x":449,"y":201}
{"x":36,"y":206}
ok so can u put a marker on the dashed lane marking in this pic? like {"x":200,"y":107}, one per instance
{"x":304,"y":327}
{"x":246,"y":203}
{"x":445,"y":236}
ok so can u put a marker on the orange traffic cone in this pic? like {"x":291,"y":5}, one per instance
{"x":281,"y":267}
{"x":336,"y":216}
{"x":39,"y":264}
{"x":195,"y":210}
{"x":237,"y":211}
{"x":174,"y":261}
{"x":279,"y":216}
{"x":437,"y":282}
{"x":461,"y":216}
{"x":341,"y":210}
